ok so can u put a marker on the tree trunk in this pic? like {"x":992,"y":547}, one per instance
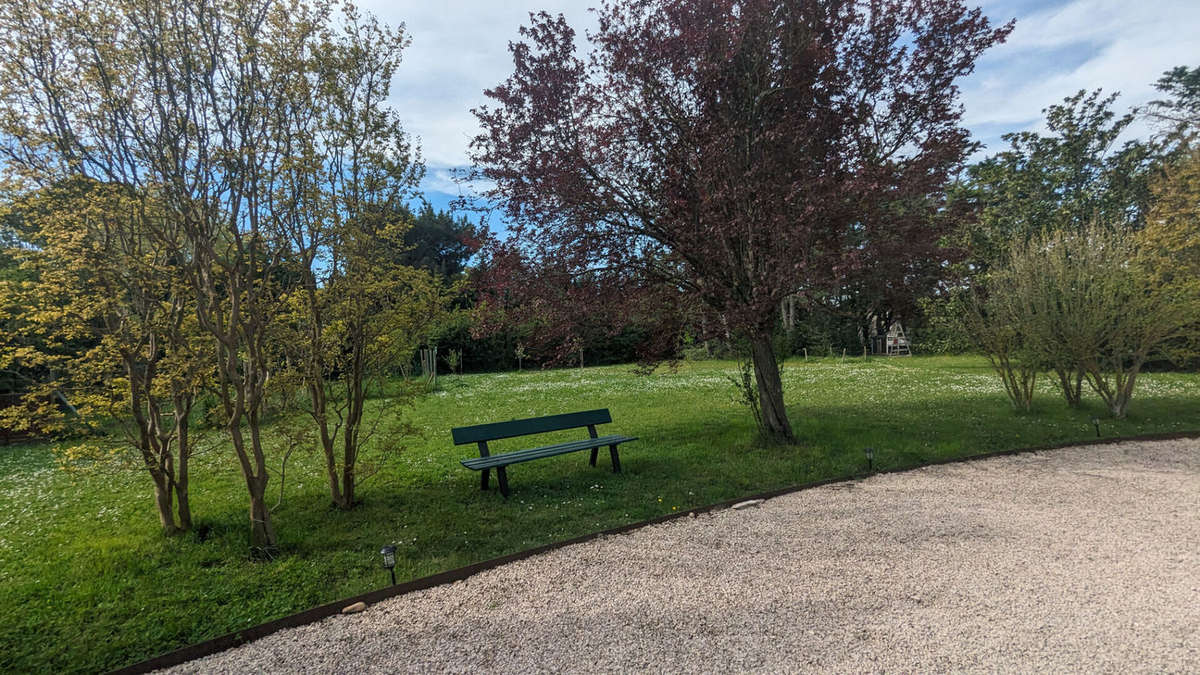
{"x":182,"y":500}
{"x":162,"y":499}
{"x":1117,"y":396}
{"x":185,"y":507}
{"x":348,"y":480}
{"x":262,"y":533}
{"x":1020,"y":381}
{"x":343,"y":497}
{"x":1120,"y":403}
{"x":770,"y":389}
{"x":262,"y":537}
{"x":316,"y":390}
{"x":1072,"y":389}
{"x":154,"y":444}
{"x":356,"y":397}
{"x":336,"y":494}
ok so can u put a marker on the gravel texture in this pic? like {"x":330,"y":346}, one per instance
{"x":1082,"y":559}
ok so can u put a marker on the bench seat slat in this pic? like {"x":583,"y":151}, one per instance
{"x":479,"y":463}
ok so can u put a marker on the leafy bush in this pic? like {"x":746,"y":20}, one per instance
{"x":1084,"y":304}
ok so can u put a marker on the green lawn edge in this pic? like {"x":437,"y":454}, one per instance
{"x":90,"y":585}
{"x":314,"y":614}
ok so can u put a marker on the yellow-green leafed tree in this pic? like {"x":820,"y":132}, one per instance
{"x":104,"y":324}
{"x":1172,"y":231}
{"x":344,"y":336}
{"x":355,"y":312}
{"x":195,"y":102}
{"x":1170,"y":246}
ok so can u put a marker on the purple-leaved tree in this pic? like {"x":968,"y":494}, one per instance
{"x":734,"y":151}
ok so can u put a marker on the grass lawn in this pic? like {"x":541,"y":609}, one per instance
{"x":88,"y":583}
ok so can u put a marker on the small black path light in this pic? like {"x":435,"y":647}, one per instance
{"x":389,"y":560}
{"x":1096,"y":423}
{"x":870,"y":452}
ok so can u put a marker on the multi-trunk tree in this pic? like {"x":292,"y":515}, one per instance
{"x":735,"y":151}
{"x":354,"y":311}
{"x":208,"y":106}
{"x":107,"y":325}
{"x":992,"y":323}
{"x":256,"y":133}
{"x":181,"y":100}
{"x":1088,"y":302}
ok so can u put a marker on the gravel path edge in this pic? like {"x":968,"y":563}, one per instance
{"x":312,"y":615}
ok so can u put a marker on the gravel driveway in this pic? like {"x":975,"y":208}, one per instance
{"x":1082,"y":559}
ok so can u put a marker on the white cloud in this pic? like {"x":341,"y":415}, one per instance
{"x":1085,"y":44}
{"x":458,"y":50}
{"x":1072,"y":23}
{"x":450,"y":180}
{"x":461,"y":48}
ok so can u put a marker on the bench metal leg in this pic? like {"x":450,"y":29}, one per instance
{"x":616,"y":461}
{"x":595,"y":452}
{"x":503,"y":476}
{"x":483,"y":479}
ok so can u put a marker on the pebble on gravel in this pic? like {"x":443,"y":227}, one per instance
{"x":355,"y":608}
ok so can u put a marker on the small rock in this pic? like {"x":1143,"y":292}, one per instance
{"x":355,"y":608}
{"x":747,"y":504}
{"x":692,"y":514}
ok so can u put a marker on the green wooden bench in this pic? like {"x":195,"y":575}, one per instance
{"x":480,"y":434}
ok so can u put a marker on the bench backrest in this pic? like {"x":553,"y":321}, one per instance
{"x":532,"y":425}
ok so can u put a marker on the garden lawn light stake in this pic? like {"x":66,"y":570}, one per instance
{"x":1096,"y":423}
{"x":870,"y":458}
{"x":389,"y":560}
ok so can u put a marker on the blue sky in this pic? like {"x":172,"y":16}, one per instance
{"x":459,"y":48}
